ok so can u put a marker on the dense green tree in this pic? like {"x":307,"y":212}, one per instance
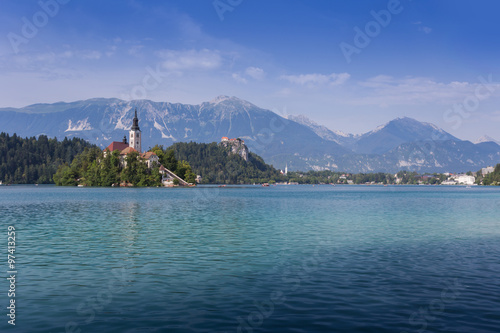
{"x":217,"y":165}
{"x":110,"y":169}
{"x":35,"y":159}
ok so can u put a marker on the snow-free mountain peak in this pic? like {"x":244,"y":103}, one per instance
{"x":398,"y":131}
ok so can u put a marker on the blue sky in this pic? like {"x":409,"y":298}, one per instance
{"x":435,"y":61}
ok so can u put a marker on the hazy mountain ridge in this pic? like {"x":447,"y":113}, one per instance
{"x":402,"y":143}
{"x":344,"y":139}
{"x":396,"y":132}
{"x":487,"y":138}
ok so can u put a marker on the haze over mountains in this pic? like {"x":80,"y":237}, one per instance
{"x":401,"y":144}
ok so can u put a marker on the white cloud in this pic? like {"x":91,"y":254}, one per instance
{"x":237,"y":77}
{"x":111,"y":51}
{"x":91,"y":55}
{"x":255,"y":73}
{"x":317,"y":79}
{"x":386,"y":90}
{"x":284,"y":92}
{"x":190,"y":59}
{"x":135,"y":50}
{"x":51,"y":60}
{"x":423,"y":28}
{"x":427,"y":30}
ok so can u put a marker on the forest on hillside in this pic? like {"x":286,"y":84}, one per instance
{"x":35,"y":160}
{"x":216,"y":165}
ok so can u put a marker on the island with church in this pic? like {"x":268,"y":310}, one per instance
{"x":122,"y":163}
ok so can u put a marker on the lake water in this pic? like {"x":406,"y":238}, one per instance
{"x":253,"y":259}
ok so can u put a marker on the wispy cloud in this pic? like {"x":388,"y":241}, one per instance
{"x":255,"y":73}
{"x":91,"y":55}
{"x":386,"y":90}
{"x":317,"y":79}
{"x":135,"y":50}
{"x":238,"y":78}
{"x":425,"y":29}
{"x":191,"y":59}
{"x":47,"y":60}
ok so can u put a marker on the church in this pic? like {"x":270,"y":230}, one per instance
{"x":134,"y":145}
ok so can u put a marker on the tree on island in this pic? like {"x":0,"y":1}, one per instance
{"x":94,"y":168}
{"x":168,"y":160}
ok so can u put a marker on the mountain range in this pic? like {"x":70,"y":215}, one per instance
{"x":296,"y":141}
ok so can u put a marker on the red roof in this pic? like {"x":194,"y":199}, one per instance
{"x":117,"y":145}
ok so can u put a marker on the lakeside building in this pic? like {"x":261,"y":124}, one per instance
{"x":461,"y":179}
{"x":487,"y":170}
{"x":465,"y":179}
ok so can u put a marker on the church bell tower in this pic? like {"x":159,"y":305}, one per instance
{"x":135,"y":134}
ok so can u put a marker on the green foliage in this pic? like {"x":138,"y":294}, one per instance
{"x":84,"y":169}
{"x":35,"y":160}
{"x":94,"y":168}
{"x":216,"y":165}
{"x":184,"y":171}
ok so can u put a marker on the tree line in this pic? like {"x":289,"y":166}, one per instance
{"x":74,"y":161}
{"x":35,"y":160}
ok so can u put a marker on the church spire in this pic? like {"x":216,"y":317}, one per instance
{"x":135,"y":134}
{"x":135,"y":123}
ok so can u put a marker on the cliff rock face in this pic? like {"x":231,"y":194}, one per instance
{"x":237,"y":146}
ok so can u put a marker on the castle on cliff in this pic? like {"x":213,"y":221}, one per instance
{"x":237,"y":146}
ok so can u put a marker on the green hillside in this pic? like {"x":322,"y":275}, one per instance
{"x":35,"y":160}
{"x":216,"y":165}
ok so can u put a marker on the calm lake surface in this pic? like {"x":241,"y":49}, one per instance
{"x":253,"y":259}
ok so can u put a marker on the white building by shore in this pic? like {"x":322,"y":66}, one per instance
{"x":465,"y":179}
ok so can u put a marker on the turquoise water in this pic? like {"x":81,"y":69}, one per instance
{"x":254,"y":259}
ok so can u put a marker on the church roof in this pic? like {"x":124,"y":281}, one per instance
{"x":127,"y":151}
{"x":117,"y":145}
{"x":148,"y":155}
